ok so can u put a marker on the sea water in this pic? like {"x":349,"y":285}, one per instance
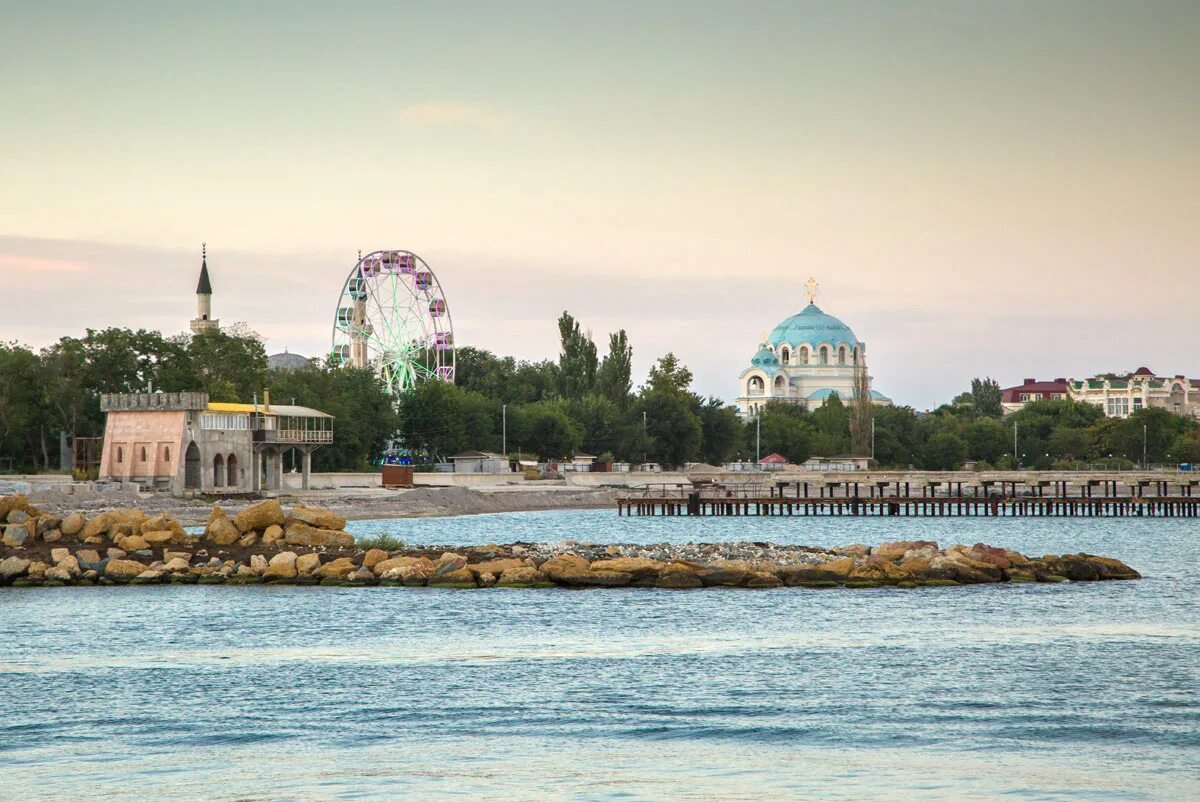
{"x":1081,"y":691}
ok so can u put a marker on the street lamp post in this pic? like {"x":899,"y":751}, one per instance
{"x":1015,"y":457}
{"x":872,"y":439}
{"x":758,"y":438}
{"x":504,"y":430}
{"x":1145,"y":441}
{"x":645,"y":445}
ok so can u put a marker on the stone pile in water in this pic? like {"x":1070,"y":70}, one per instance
{"x":266,"y":544}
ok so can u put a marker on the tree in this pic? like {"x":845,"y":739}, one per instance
{"x":862,"y":412}
{"x":1065,"y":442}
{"x":831,"y":422}
{"x":720,"y":430}
{"x":432,"y":419}
{"x":614,"y":378}
{"x":987,"y":439}
{"x":942,"y":452}
{"x":577,"y":363}
{"x":669,"y":375}
{"x":985,"y":397}
{"x":673,"y":429}
{"x":598,"y":419}
{"x":552,"y":433}
{"x":782,"y":428}
{"x":226,"y":366}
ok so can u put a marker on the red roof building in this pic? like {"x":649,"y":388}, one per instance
{"x":1013,"y":399}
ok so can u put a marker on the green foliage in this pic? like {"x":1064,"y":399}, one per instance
{"x":672,"y":428}
{"x":552,"y":434}
{"x":577,"y":363}
{"x":614,"y":378}
{"x":385,"y":541}
{"x":785,"y":429}
{"x":669,"y":375}
{"x":943,"y":451}
{"x":985,"y":397}
{"x":720,"y":430}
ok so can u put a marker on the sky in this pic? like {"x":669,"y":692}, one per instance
{"x":1003,"y":189}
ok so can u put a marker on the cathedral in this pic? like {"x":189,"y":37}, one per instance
{"x":804,"y":360}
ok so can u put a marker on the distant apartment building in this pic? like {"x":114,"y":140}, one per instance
{"x":1014,"y":399}
{"x":1121,"y":396}
{"x":1117,"y":396}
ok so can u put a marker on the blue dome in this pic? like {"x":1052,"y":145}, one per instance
{"x":812,"y":327}
{"x":765,"y":358}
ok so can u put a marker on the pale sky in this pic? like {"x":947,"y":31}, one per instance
{"x":1005,"y":189}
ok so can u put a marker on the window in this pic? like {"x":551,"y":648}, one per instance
{"x":804,"y":355}
{"x":167,"y":454}
{"x":143,"y":453}
{"x":1118,"y":407}
{"x":756,"y":385}
{"x":1024,"y":398}
{"x":120,"y":454}
{"x":824,"y":354}
{"x":842,"y":355}
{"x":1137,"y":404}
{"x":785,"y":355}
{"x":218,"y":471}
{"x":223,"y":422}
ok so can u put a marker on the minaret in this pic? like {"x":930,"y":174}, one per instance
{"x":204,"y":319}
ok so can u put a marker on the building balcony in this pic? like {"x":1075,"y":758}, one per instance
{"x":297,"y":436}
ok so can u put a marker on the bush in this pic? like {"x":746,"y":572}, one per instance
{"x":385,"y":541}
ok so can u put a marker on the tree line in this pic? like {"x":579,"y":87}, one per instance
{"x":582,"y":402}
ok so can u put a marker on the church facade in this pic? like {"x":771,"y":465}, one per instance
{"x":804,"y":360}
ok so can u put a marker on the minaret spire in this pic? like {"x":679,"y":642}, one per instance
{"x":204,"y":321}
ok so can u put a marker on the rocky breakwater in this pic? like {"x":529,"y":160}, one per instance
{"x":266,"y":544}
{"x":263,"y":542}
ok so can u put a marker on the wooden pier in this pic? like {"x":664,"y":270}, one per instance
{"x":1090,"y":497}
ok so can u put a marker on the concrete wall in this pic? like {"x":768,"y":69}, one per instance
{"x":129,"y":435}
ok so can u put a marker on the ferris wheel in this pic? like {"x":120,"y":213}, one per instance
{"x":392,"y":317}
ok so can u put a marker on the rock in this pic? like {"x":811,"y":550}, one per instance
{"x":73,"y":524}
{"x":15,"y":535}
{"x":525,"y":576}
{"x":984,"y":553}
{"x":158,"y":537}
{"x":123,"y":569}
{"x":373,"y":557}
{"x":495,"y":567}
{"x":10,"y":503}
{"x":281,"y":566}
{"x":637,"y":567}
{"x":563,"y":565}
{"x":336,"y":569}
{"x":898,"y":548}
{"x":855,"y":550}
{"x":456,"y":578}
{"x":221,"y":530}
{"x":247,"y":540}
{"x":17,"y":517}
{"x":46,"y":523}
{"x":116,"y":554}
{"x":302,"y":535}
{"x":12,"y":567}
{"x":89,"y":559}
{"x":361,"y":575}
{"x":258,"y":563}
{"x":412,"y":575}
{"x":58,"y":555}
{"x":764,"y":580}
{"x":176,"y":564}
{"x":58,"y":574}
{"x":486,"y":580}
{"x":272,"y":534}
{"x":317,"y":518}
{"x":133,"y":543}
{"x":70,"y":565}
{"x":674,"y":579}
{"x":402,"y":562}
{"x":149,"y":575}
{"x":837,"y":570}
{"x":171,"y":555}
{"x":956,"y":566}
{"x":53,"y":536}
{"x":259,"y":516}
{"x":306,"y":564}
{"x":882,"y":572}
{"x":729,"y":573}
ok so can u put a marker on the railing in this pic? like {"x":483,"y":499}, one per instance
{"x":292,"y":436}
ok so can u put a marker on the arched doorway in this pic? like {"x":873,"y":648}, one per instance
{"x":231,"y":472}
{"x":191,"y":467}
{"x":218,"y":471}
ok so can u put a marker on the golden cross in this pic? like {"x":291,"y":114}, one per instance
{"x":811,"y":284}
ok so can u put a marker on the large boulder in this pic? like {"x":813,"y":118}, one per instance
{"x":133,"y":543}
{"x":457,"y":578}
{"x":316,"y":518}
{"x":637,"y":567}
{"x":884,"y":572}
{"x":73,"y":524}
{"x":10,"y":503}
{"x":896,"y":549}
{"x":221,"y":531}
{"x":15,"y":535}
{"x":306,"y":564}
{"x":957,"y":566}
{"x":272,"y":534}
{"x":123,"y":569}
{"x":302,"y":535}
{"x":373,"y":557}
{"x":336,"y":569}
{"x":981,"y":552}
{"x":836,"y":570}
{"x":396,"y":563}
{"x":675,"y":579}
{"x":730,"y":573}
{"x":525,"y":576}
{"x":259,"y":516}
{"x":13,"y":567}
{"x":97,"y":526}
{"x":564,"y":565}
{"x":496,"y":567}
{"x":161,"y":537}
{"x":282,"y":566}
